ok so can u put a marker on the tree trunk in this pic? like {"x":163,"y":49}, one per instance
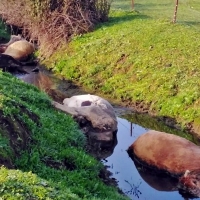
{"x":175,"y":12}
{"x":132,"y":4}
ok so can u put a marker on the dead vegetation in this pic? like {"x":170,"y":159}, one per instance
{"x":51,"y":22}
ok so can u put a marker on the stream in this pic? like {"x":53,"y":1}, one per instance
{"x":135,"y":184}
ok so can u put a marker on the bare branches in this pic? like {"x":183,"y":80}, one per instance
{"x":51,"y":22}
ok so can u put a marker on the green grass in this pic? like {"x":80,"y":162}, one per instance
{"x":188,"y":10}
{"x":16,"y":184}
{"x":55,"y":165}
{"x":139,"y":57}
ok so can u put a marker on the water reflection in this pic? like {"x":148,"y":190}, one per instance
{"x":45,"y":82}
{"x":137,"y":184}
{"x":159,"y":182}
{"x":101,"y":149}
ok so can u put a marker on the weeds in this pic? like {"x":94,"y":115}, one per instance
{"x":16,"y":184}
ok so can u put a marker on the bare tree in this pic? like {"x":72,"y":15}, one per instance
{"x":175,"y":12}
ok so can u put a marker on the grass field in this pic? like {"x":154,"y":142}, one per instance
{"x":188,"y":10}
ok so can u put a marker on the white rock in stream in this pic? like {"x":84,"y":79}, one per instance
{"x":95,"y":114}
{"x":88,"y":100}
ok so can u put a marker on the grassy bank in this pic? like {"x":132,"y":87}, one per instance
{"x":46,"y":148}
{"x":140,"y":57}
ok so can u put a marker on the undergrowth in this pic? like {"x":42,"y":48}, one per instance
{"x":16,"y":184}
{"x":51,"y":23}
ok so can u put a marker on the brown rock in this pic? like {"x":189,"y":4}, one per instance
{"x":172,"y":154}
{"x":20,"y":50}
{"x":166,"y":152}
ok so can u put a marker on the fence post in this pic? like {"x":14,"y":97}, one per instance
{"x":175,"y":12}
{"x":132,"y":4}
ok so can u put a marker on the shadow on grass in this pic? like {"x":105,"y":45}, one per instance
{"x":140,"y":6}
{"x":147,"y":5}
{"x":190,"y":23}
{"x":126,"y":17}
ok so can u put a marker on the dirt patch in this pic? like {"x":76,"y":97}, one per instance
{"x":65,"y":164}
{"x":18,"y":135}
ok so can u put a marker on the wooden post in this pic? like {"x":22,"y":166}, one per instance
{"x":132,"y":4}
{"x":175,"y":12}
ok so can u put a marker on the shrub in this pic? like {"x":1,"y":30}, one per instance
{"x":52,"y":22}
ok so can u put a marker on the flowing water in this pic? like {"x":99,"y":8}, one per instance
{"x":135,"y":184}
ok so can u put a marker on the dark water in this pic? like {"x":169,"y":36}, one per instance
{"x":136,"y":184}
{"x":130,"y":181}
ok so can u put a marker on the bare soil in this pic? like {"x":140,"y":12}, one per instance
{"x":17,"y":133}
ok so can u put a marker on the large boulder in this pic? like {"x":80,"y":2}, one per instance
{"x":20,"y":50}
{"x":88,"y":100}
{"x":13,"y":38}
{"x":172,"y":154}
{"x":16,"y":50}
